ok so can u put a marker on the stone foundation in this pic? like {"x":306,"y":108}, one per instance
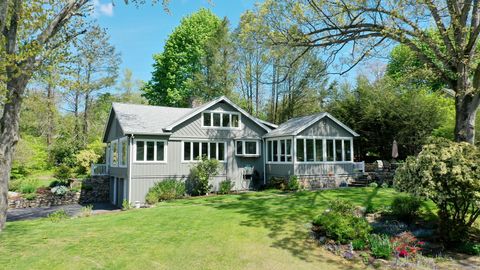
{"x":92,"y":190}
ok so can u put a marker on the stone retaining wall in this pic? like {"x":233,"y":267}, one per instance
{"x":92,"y":190}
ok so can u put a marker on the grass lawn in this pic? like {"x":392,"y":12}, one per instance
{"x":257,"y":230}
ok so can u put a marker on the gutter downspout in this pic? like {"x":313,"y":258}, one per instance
{"x":264,"y":162}
{"x":130,"y":147}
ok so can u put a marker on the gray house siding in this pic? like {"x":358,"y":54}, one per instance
{"x":114,"y":131}
{"x":325,"y":127}
{"x":279,"y":170}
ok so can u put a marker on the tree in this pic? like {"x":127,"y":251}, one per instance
{"x":176,"y":66}
{"x":130,"y":89}
{"x":29,"y":32}
{"x":450,"y":49}
{"x":215,"y":78}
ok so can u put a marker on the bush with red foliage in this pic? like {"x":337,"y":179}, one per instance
{"x":406,"y":245}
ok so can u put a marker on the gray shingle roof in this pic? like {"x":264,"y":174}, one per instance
{"x":147,"y":119}
{"x":296,"y":125}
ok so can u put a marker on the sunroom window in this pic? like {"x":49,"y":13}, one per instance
{"x":279,"y":150}
{"x":315,"y":149}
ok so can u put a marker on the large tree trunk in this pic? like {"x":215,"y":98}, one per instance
{"x":9,"y":138}
{"x":466,"y":111}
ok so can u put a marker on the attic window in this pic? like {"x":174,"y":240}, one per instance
{"x":217,"y":119}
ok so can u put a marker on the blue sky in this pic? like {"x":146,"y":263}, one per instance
{"x":138,"y":33}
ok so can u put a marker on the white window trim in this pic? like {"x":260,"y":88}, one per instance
{"x":279,"y":153}
{"x":120,"y":154}
{"x":112,"y":148}
{"x":324,"y":141}
{"x":165,"y":150}
{"x":192,"y":158}
{"x":221,"y":119}
{"x":243,"y":154}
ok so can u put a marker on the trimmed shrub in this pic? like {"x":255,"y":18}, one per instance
{"x":343,"y":207}
{"x":200,"y":175}
{"x":62,"y":172}
{"x":167,"y":189}
{"x":293,"y":183}
{"x":225,"y":187}
{"x":447,"y":173}
{"x":380,"y":246}
{"x":405,"y":208}
{"x":341,"y":228}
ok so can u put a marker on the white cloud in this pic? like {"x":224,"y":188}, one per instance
{"x":100,"y":9}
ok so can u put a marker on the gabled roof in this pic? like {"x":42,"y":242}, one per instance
{"x":160,"y":120}
{"x":145,"y":119}
{"x":296,"y":125}
{"x":210,"y":104}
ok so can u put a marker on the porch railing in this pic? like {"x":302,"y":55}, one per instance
{"x":359,"y":166}
{"x":99,"y":169}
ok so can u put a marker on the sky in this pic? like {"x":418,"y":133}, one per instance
{"x":139,"y":33}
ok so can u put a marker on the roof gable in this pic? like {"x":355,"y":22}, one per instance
{"x":204,"y":107}
{"x":295,"y":126}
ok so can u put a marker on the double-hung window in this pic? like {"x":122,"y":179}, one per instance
{"x":193,"y":150}
{"x":247,"y":148}
{"x":323,"y":150}
{"x":150,"y":151}
{"x":279,"y":150}
{"x":220,"y":119}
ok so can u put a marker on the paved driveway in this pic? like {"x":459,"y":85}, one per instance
{"x":71,"y":209}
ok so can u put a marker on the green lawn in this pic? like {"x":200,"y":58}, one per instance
{"x":257,"y":230}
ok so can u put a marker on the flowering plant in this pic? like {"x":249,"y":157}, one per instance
{"x":406,"y":245}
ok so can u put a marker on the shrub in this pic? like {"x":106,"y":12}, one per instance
{"x":225,"y":187}
{"x":470,"y":248}
{"x":87,"y":210}
{"x":84,"y":160}
{"x":380,"y":246}
{"x":385,"y":185}
{"x":30,"y":196}
{"x":405,"y":208}
{"x":201,"y":173}
{"x":293,"y":183}
{"x":43,"y":190}
{"x":62,"y":172}
{"x":276,"y":183}
{"x":14,"y":185}
{"x":447,"y":173}
{"x":58,"y":215}
{"x":167,"y":189}
{"x":406,"y":245}
{"x":55,"y":183}
{"x":373,"y":185}
{"x":340,"y":227}
{"x":342,"y":206}
{"x":59,"y":190}
{"x":24,"y":185}
{"x":126,"y":205}
{"x":359,"y":244}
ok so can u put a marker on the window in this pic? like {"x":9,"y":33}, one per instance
{"x":300,"y":150}
{"x":247,"y":148}
{"x":114,"y":153}
{"x":221,"y":119}
{"x":211,"y":150}
{"x":347,"y":150}
{"x":150,"y":150}
{"x":207,"y":119}
{"x":338,"y":150}
{"x":318,"y":150}
{"x":321,"y":150}
{"x":279,"y":150}
{"x":123,"y":152}
{"x":329,"y":150}
{"x":310,"y":150}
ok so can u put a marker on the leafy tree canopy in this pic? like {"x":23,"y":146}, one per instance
{"x":176,"y":66}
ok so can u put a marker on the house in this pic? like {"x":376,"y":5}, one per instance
{"x":146,"y":144}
